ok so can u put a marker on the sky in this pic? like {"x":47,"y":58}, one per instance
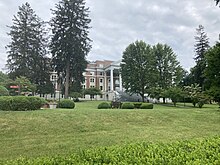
{"x":118,"y":23}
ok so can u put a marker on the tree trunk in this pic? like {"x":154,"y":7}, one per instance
{"x":67,"y":79}
{"x":164,"y":100}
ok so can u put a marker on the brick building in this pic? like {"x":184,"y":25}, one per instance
{"x":103,"y":75}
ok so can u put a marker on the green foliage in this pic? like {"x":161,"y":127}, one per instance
{"x":36,"y":102}
{"x":92,"y":92}
{"x":4,"y":79}
{"x":3,"y":91}
{"x":174,"y":93}
{"x":25,"y":86}
{"x":212,"y":71}
{"x":5,"y":103}
{"x":147,"y":106}
{"x":169,"y":71}
{"x":201,"y":47}
{"x":27,"y":49}
{"x":70,"y":42}
{"x":137,"y":105}
{"x":66,"y":103}
{"x":192,"y":91}
{"x":138,"y":64}
{"x":20,"y":103}
{"x":127,"y":105}
{"x":204,"y":151}
{"x":104,"y":105}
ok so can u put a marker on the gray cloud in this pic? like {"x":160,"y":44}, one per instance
{"x":117,"y":23}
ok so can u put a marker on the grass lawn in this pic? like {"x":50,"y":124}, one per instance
{"x":51,"y":132}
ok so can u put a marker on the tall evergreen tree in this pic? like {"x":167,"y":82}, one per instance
{"x":27,"y":49}
{"x":70,"y":42}
{"x":201,"y":46}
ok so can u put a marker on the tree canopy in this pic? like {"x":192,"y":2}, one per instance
{"x":138,"y":68}
{"x":70,"y":42}
{"x":201,"y":46}
{"x":212,"y":71}
{"x":27,"y":49}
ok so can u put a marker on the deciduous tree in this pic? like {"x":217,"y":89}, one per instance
{"x":212,"y":71}
{"x":169,"y":71}
{"x":138,"y":68}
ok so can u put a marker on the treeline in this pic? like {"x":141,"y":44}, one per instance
{"x":68,"y":44}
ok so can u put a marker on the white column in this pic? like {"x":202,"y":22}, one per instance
{"x":111,"y":75}
{"x":105,"y":81}
{"x":120,"y":82}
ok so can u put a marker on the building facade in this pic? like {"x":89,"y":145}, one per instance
{"x":104,"y":75}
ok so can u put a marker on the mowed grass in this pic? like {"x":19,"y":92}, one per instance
{"x":61,"y":132}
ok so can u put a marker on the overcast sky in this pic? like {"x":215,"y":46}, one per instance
{"x":117,"y":23}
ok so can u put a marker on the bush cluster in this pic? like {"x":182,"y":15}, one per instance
{"x":20,"y":103}
{"x":137,"y":105}
{"x":204,"y":151}
{"x":146,"y":106}
{"x":104,"y":105}
{"x":3,"y":91}
{"x":127,"y":105}
{"x":66,"y":103}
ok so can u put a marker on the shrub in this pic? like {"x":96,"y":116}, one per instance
{"x":147,"y":106}
{"x":5,"y":103}
{"x":104,"y":105}
{"x":127,"y":106}
{"x":205,"y":151}
{"x":36,"y":102}
{"x":3,"y":91}
{"x":137,"y":105}
{"x":66,"y":103}
{"x":20,"y":103}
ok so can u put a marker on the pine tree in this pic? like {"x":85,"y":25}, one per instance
{"x":201,"y":46}
{"x":202,"y":43}
{"x":70,"y":42}
{"x":27,"y":49}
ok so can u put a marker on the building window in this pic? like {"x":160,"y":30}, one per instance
{"x":92,"y":86}
{"x":101,"y":80}
{"x":101,"y":88}
{"x":100,"y":73}
{"x":84,"y":87}
{"x":101,"y":96}
{"x":92,"y":80}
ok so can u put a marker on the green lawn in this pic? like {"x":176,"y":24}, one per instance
{"x":51,"y":132}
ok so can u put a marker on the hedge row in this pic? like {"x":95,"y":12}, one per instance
{"x":206,"y":151}
{"x":126,"y":105}
{"x":20,"y":103}
{"x":66,"y":103}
